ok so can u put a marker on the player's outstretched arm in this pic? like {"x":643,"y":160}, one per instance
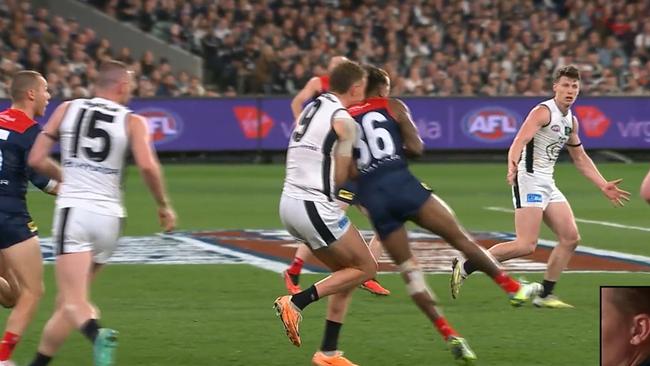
{"x":39,"y":155}
{"x":413,"y":143}
{"x":147,"y":161}
{"x":587,"y":167}
{"x":312,"y":87}
{"x":645,"y":188}
{"x":536,"y":119}
{"x":346,"y":132}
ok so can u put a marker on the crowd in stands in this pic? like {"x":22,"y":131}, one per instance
{"x":428,"y":47}
{"x":69,"y":55}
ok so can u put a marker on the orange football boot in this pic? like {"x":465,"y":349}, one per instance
{"x":292,"y":288}
{"x":320,"y":359}
{"x":374,"y":287}
{"x":290,"y":316}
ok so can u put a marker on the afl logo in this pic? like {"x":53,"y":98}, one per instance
{"x":490,"y":124}
{"x":163,"y":126}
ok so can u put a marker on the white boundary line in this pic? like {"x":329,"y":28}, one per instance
{"x":586,"y":221}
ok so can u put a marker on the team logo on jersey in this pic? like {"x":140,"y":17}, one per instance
{"x":163,"y":126}
{"x":593,"y":121}
{"x":491,"y":124}
{"x":253,"y":122}
{"x":555,"y":128}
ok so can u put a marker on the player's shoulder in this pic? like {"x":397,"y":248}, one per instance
{"x":16,"y":121}
{"x":368,"y":105}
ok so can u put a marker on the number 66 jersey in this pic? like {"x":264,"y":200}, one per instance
{"x":94,"y":143}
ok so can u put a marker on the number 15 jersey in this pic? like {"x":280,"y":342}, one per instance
{"x":94,"y":143}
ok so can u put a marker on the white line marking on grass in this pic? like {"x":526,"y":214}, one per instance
{"x":260,"y":262}
{"x":595,"y":222}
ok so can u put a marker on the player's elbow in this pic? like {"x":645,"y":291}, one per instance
{"x":34,"y":160}
{"x":415,"y":148}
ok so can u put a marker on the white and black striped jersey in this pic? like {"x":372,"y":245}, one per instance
{"x":541,"y":153}
{"x":310,"y":164}
{"x":94,"y":144}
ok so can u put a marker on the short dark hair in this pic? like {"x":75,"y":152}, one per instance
{"x":377,"y":78}
{"x":22,"y":82}
{"x":570,"y":71}
{"x":344,"y":75}
{"x":110,"y":73}
{"x":632,"y":300}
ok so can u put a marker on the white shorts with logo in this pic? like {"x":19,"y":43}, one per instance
{"x":318,"y":224}
{"x":78,"y":230}
{"x":532,"y":190}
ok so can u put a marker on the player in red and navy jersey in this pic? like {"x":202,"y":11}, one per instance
{"x":21,"y":253}
{"x":392,"y":196}
{"x":316,"y":86}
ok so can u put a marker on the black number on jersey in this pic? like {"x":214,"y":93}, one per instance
{"x":304,"y":122}
{"x":93,"y":132}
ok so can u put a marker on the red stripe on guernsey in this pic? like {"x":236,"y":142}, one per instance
{"x":15,"y":120}
{"x":370,"y":104}
{"x":324,"y":83}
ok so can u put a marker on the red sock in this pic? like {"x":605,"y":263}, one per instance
{"x":296,"y":266}
{"x":507,"y":283}
{"x":444,"y":328}
{"x":8,"y":344}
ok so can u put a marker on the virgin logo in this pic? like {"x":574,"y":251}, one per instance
{"x":253,"y":122}
{"x":592,"y":120}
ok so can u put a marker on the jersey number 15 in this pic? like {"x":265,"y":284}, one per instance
{"x":92,"y":131}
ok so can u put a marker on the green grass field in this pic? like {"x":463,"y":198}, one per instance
{"x":221,"y":315}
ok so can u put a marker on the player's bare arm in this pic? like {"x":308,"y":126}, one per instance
{"x":536,"y":119}
{"x":39,"y":156}
{"x":312,"y":87}
{"x":586,"y":166}
{"x":645,"y":188}
{"x":412,"y":141}
{"x":346,"y":132}
{"x":149,"y":166}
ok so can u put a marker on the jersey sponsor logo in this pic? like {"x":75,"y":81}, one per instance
{"x":491,"y":124}
{"x":534,"y":198}
{"x":344,"y":221}
{"x":253,"y":122}
{"x":32,"y":226}
{"x":594,"y":122}
{"x":346,"y":195}
{"x":164,"y":126}
{"x":555,"y":128}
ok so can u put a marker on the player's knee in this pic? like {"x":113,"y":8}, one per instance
{"x":571,"y":240}
{"x":527,"y":246}
{"x":414,"y":278}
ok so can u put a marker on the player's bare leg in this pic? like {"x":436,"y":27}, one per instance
{"x":396,"y":244}
{"x":436,"y":216}
{"x":26,"y":263}
{"x":528,"y":221}
{"x":58,"y":328}
{"x":9,"y":287}
{"x":559,"y":217}
{"x":337,"y":308}
{"x":373,"y":286}
{"x":351,"y":263}
{"x":73,"y":281}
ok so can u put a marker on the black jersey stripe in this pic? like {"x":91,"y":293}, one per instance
{"x":317,"y":222}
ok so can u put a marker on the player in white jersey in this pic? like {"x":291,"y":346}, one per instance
{"x":95,"y":136}
{"x":531,"y":159}
{"x":319,"y":158}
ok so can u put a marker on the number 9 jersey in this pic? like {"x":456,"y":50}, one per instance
{"x":94,"y":143}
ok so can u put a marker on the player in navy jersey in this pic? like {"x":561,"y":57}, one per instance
{"x":316,"y":86}
{"x":21,"y":253}
{"x":392,"y":195}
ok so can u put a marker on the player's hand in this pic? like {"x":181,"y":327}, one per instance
{"x":512,"y":172}
{"x":616,"y":195}
{"x":167,"y":218}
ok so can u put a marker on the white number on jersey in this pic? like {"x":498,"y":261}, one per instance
{"x":373,"y":140}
